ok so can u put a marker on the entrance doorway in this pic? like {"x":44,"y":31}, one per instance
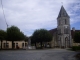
{"x":66,"y":42}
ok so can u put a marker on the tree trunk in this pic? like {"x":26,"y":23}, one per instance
{"x":12,"y":45}
{"x":45,"y":44}
{"x":35,"y":44}
{"x":6,"y":44}
{"x":41,"y":44}
{"x":1,"y":44}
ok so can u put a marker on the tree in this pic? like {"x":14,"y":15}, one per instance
{"x":14,"y":34}
{"x":26,"y":38}
{"x":77,"y":37}
{"x":2,"y":36}
{"x":41,"y":35}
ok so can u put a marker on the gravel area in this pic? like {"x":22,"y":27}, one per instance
{"x":48,"y":54}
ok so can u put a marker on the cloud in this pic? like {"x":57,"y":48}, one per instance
{"x":30,"y":15}
{"x":74,"y":12}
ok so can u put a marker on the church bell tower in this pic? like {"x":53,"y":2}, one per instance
{"x":63,"y":28}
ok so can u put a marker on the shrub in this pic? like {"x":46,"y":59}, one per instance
{"x":75,"y":48}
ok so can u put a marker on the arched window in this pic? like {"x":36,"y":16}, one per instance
{"x":25,"y":44}
{"x":66,"y":38}
{"x":66,"y":31}
{"x":22,"y":44}
{"x":59,"y":31}
{"x":65,"y":21}
{"x":66,"y":42}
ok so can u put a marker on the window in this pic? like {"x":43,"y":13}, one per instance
{"x":60,"y":41}
{"x":59,"y":31}
{"x":66,"y":31}
{"x":25,"y":44}
{"x":22,"y":44}
{"x":16,"y":44}
{"x":4,"y":45}
{"x":7,"y":45}
{"x":58,"y":22}
{"x":65,"y":21}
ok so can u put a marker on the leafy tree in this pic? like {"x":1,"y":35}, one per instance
{"x":2,"y":36}
{"x":77,"y":37}
{"x":41,"y":35}
{"x":14,"y":34}
{"x":26,"y":38}
{"x":33,"y":41}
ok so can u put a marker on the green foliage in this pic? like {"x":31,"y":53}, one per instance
{"x":41,"y":35}
{"x":26,"y":38}
{"x":3,"y":35}
{"x":13,"y":33}
{"x":75,"y":48}
{"x":77,"y":37}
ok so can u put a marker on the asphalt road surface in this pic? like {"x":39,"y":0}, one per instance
{"x":48,"y":54}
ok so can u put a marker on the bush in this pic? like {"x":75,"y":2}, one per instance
{"x":75,"y":48}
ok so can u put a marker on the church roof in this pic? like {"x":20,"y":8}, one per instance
{"x":62,"y":13}
{"x":52,"y":31}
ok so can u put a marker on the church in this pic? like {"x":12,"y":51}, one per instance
{"x":62,"y":35}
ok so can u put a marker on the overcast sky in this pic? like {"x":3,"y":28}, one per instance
{"x":30,"y":15}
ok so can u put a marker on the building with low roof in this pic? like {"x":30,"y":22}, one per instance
{"x":17,"y":44}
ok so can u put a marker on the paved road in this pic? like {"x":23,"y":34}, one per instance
{"x":50,"y":54}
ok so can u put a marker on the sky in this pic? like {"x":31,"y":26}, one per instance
{"x":29,"y":15}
